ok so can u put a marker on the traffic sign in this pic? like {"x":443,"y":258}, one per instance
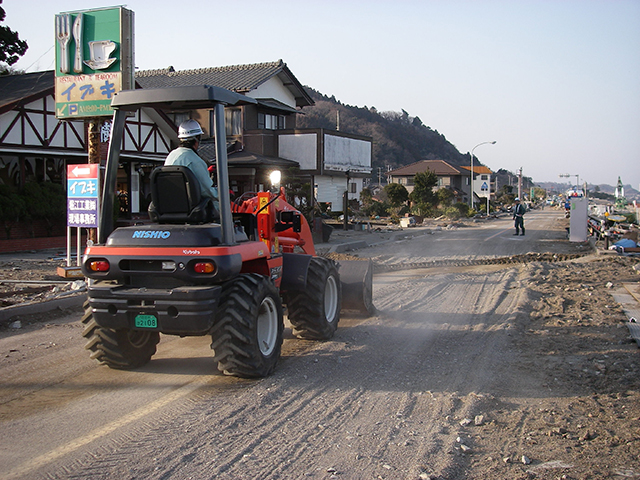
{"x":82,"y":195}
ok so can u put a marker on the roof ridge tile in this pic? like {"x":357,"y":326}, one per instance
{"x":225,"y":68}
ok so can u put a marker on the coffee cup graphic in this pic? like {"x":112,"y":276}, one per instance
{"x":100,"y":52}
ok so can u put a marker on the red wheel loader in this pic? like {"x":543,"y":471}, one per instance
{"x":194,"y":271}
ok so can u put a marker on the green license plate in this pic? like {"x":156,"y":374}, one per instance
{"x":146,"y":321}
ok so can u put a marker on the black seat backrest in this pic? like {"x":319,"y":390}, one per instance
{"x":176,"y":197}
{"x":248,"y":223}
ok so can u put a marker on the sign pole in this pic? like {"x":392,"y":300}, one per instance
{"x":78,"y":246}
{"x":68,"y":246}
{"x":94,"y":157}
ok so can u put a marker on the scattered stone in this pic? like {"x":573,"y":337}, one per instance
{"x":586,"y":436}
{"x":558,"y":431}
{"x":506,"y":459}
{"x":609,"y":285}
{"x":465,"y":448}
{"x":549,"y":466}
{"x":465,"y":422}
{"x":478,"y":420}
{"x":17,"y":324}
{"x":78,"y":285}
{"x":332,"y":470}
{"x":525,"y":460}
{"x":626,"y":473}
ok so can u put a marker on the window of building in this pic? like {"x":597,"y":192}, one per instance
{"x":178,"y":118}
{"x":267,"y":121}
{"x":233,"y":121}
{"x":352,"y":188}
{"x":484,"y":177}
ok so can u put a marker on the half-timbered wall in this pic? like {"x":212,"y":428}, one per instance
{"x":35,"y":146}
{"x":34,"y":125}
{"x":143,"y":135}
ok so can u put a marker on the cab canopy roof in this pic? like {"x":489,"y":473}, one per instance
{"x":178,"y":98}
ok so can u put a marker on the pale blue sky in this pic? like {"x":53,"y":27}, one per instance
{"x":556,"y":83}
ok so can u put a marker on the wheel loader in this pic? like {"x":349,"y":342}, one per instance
{"x":195,"y":270}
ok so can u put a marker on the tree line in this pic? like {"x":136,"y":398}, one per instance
{"x":11,"y":46}
{"x":398,"y":138}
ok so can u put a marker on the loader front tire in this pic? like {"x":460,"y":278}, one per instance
{"x":120,"y":349}
{"x":314,"y":312}
{"x":247,"y":334}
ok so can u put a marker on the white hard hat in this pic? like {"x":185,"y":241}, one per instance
{"x":517,"y":199}
{"x":188,"y":129}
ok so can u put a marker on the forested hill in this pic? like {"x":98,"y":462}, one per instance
{"x":398,"y":138}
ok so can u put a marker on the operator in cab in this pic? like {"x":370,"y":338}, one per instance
{"x":189,"y":133}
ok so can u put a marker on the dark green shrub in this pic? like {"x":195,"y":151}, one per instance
{"x":12,"y":208}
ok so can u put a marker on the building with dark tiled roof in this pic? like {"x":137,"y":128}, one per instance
{"x":252,"y":131}
{"x":21,"y":89}
{"x":266,"y":132}
{"x":439,"y":167}
{"x":252,"y":80}
{"x":448,"y":177}
{"x":35,"y":145}
{"x":455,"y":178}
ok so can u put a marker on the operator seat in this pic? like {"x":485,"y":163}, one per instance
{"x":176,"y":197}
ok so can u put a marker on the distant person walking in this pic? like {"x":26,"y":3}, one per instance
{"x":518,"y":216}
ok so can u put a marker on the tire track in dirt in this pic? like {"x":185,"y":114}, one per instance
{"x":388,"y":397}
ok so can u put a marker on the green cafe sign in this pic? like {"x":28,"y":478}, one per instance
{"x":94,"y":60}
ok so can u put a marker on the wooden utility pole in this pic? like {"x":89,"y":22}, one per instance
{"x":93,"y":147}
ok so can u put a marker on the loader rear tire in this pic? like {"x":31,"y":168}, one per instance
{"x":314,"y":312}
{"x":247,"y":334}
{"x":119,"y":349}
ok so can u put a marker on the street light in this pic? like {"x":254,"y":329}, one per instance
{"x":567,"y":175}
{"x":471,"y":179}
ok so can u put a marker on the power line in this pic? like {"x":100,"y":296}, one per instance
{"x":36,"y":61}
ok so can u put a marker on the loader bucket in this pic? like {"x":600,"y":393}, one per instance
{"x":356,"y":277}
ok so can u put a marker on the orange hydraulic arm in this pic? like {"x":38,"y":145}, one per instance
{"x":280,"y":226}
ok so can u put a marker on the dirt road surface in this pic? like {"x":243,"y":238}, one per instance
{"x":467,"y":371}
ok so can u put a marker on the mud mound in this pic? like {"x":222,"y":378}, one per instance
{"x":341,"y":256}
{"x":514,"y":259}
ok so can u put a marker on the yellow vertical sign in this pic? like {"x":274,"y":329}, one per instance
{"x":263,"y":220}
